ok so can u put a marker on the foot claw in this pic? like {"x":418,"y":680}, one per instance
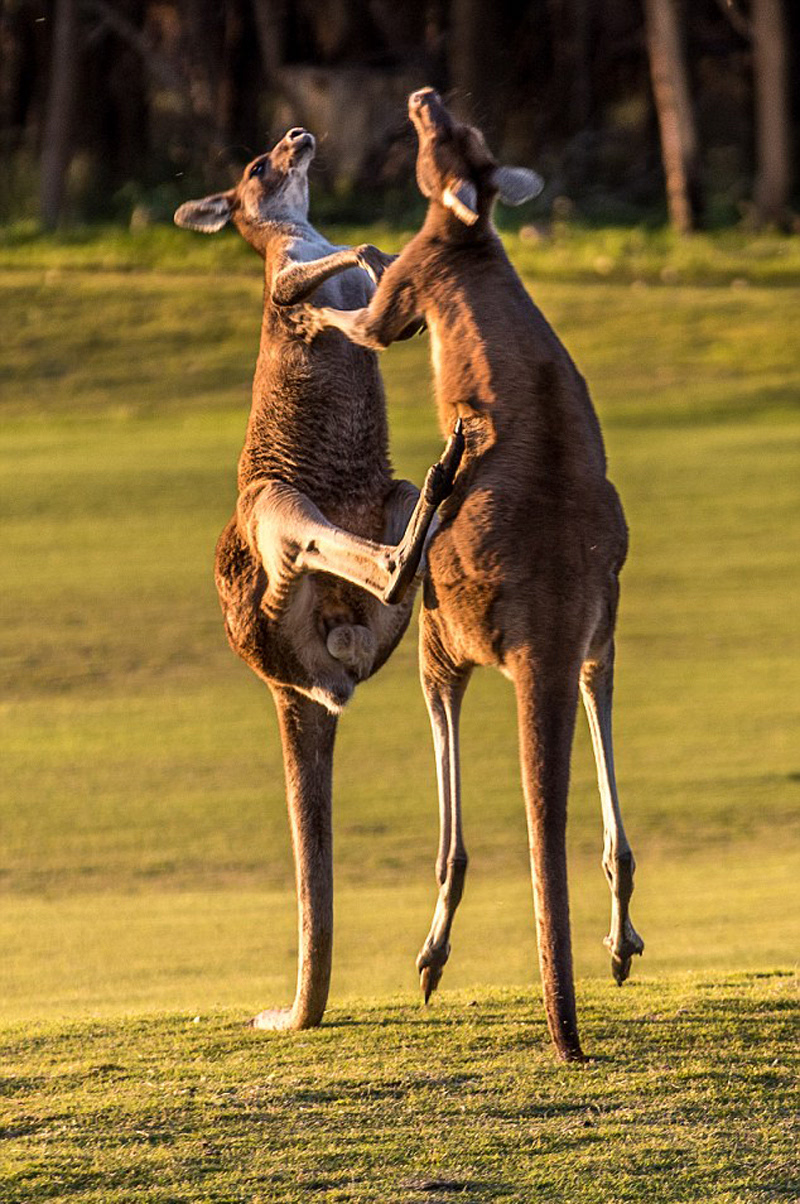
{"x":435,"y":487}
{"x":431,"y":963}
{"x":621,"y":957}
{"x":429,"y":979}
{"x":620,"y":969}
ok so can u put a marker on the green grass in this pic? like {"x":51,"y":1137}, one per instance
{"x":691,"y":1101}
{"x":550,"y":250}
{"x":145,"y":870}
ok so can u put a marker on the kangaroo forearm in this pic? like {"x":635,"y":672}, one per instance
{"x":354,"y":324}
{"x":298,"y":281}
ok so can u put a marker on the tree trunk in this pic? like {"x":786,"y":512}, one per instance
{"x":476,"y":67}
{"x":269,"y":18}
{"x":773,"y":154}
{"x":571,"y":22}
{"x":57,"y":141}
{"x":202,"y":24}
{"x":675,"y":114}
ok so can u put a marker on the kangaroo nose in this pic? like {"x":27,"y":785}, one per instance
{"x":298,"y":141}
{"x":421,"y":97}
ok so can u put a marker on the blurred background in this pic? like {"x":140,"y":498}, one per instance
{"x":632,"y":109}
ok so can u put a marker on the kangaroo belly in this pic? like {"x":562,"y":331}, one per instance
{"x":504,"y":576}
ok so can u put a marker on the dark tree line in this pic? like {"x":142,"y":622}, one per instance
{"x":620,"y":103}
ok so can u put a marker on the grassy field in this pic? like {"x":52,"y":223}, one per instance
{"x":691,"y":1102}
{"x":147,"y":900}
{"x":555,"y":250}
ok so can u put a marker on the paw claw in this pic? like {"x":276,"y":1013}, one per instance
{"x":303,"y":321}
{"x":373,"y":261}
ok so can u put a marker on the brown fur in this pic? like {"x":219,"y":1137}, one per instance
{"x":523,"y":573}
{"x":315,"y":492}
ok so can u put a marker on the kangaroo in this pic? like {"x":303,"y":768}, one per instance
{"x":523,"y":571}
{"x":322,"y":533}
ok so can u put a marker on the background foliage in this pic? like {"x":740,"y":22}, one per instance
{"x":123,"y":108}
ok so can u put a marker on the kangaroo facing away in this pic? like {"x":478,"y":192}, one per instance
{"x":321,"y":532}
{"x":523,"y":572}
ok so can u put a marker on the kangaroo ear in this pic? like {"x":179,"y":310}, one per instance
{"x":207,"y":215}
{"x":516,"y":185}
{"x":460,"y":197}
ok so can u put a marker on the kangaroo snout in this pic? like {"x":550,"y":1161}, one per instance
{"x":299,"y":139}
{"x":417,"y":99}
{"x":425,"y":106}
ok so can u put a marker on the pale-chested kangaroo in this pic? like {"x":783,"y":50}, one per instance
{"x":523,"y":573}
{"x":303,"y":566}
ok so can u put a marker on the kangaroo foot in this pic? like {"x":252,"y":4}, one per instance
{"x":438,"y":485}
{"x":430,"y":963}
{"x":272,"y":1019}
{"x":276,"y":1020}
{"x":622,"y":951}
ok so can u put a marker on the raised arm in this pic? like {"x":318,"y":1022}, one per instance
{"x":393,"y":313}
{"x":295,"y":281}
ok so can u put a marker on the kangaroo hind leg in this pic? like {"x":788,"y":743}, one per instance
{"x":422,"y":524}
{"x":444,"y":707}
{"x":597,"y":685}
{"x":307,"y":733}
{"x":292,"y":536}
{"x":547,"y":697}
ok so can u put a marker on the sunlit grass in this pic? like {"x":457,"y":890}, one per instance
{"x":551,"y":250}
{"x":145,"y":862}
{"x":689,"y":1099}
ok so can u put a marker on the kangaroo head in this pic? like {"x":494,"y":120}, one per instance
{"x":273,"y":188}
{"x":456,"y":168}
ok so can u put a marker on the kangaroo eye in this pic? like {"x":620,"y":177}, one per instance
{"x":256,"y":170}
